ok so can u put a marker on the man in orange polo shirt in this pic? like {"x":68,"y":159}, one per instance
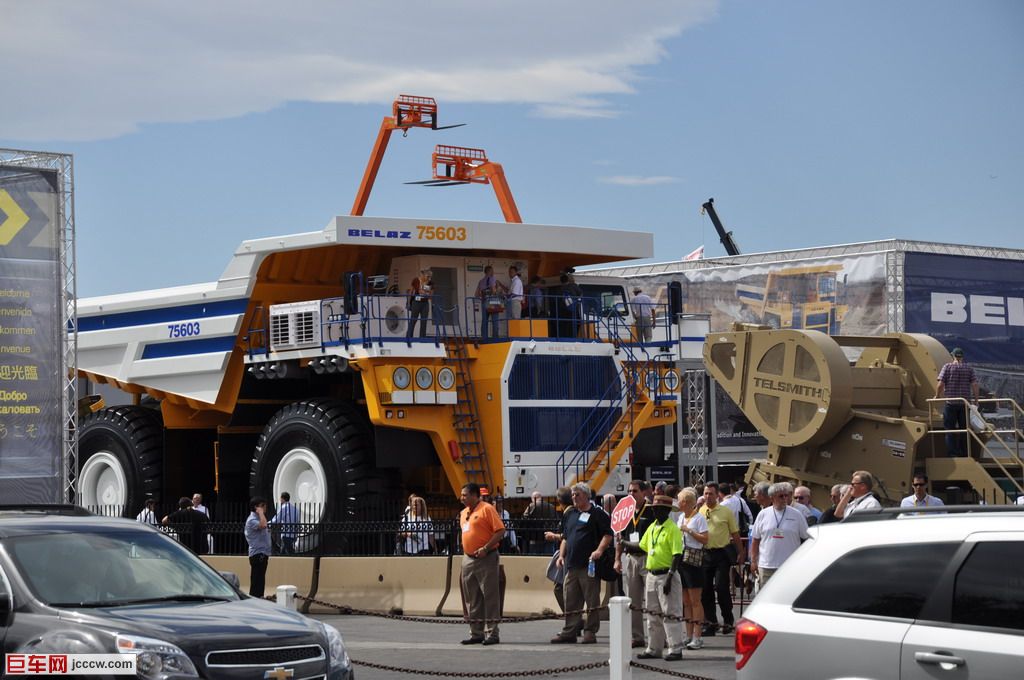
{"x":482,"y":531}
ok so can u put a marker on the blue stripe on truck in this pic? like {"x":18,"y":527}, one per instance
{"x":161,"y":350}
{"x":144,"y":317}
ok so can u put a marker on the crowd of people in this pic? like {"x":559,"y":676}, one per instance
{"x":677,"y":559}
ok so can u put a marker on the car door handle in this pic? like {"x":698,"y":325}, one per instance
{"x":928,"y":657}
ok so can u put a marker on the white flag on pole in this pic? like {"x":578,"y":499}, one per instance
{"x":697,"y":254}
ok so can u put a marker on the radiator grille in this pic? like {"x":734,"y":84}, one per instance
{"x":264,"y":657}
{"x":279,"y":330}
{"x":305,"y":328}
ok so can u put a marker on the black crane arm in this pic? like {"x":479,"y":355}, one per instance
{"x":725,"y":236}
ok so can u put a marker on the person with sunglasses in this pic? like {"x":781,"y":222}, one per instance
{"x":777,"y":532}
{"x":630,"y":560}
{"x":802,"y":498}
{"x":920,"y":498}
{"x":858,"y":497}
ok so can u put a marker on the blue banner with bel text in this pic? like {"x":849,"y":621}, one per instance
{"x":976,"y":303}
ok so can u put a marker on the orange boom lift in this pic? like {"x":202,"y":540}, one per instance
{"x":463,"y":165}
{"x":408,"y":111}
{"x":452,"y":164}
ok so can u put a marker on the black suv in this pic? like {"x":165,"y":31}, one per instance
{"x":74,"y":583}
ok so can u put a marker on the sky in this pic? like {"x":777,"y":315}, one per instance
{"x":195,"y":126}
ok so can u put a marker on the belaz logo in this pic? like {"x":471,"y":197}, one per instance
{"x":377,"y":233}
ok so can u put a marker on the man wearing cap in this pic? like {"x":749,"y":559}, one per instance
{"x":956,"y":381}
{"x":663,"y":543}
{"x":643,"y":312}
{"x":482,"y":531}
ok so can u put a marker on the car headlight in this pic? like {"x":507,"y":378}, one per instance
{"x":156,"y":659}
{"x":336,"y":647}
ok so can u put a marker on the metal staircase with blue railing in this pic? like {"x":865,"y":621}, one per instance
{"x":625,"y":402}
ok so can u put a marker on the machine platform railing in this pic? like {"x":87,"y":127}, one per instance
{"x":978,"y":435}
{"x":378,"y":319}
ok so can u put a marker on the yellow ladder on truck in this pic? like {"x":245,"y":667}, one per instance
{"x":472,"y":455}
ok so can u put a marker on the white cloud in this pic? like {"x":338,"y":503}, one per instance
{"x":639,"y":180}
{"x":101,"y":68}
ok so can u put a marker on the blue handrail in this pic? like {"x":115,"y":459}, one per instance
{"x":627,"y":384}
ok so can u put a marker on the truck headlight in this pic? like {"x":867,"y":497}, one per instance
{"x":156,"y":659}
{"x":335,"y":647}
{"x":446,"y":378}
{"x":401,"y":377}
{"x":424,"y":378}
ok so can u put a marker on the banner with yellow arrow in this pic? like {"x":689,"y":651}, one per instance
{"x":31,"y":334}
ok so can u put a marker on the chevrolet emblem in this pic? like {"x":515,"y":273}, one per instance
{"x":279,"y":673}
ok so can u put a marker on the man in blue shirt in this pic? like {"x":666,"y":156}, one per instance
{"x":802,"y":496}
{"x":257,"y":535}
{"x":586,"y":535}
{"x":286,"y":519}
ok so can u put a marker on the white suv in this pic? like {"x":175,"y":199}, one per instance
{"x":896,"y":593}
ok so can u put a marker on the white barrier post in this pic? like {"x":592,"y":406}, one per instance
{"x":620,"y":646}
{"x":286,"y":597}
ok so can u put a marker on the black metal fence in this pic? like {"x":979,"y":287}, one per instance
{"x":384,"y":532}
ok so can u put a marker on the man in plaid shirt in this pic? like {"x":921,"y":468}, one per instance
{"x":956,"y":381}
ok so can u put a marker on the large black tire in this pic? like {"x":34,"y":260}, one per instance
{"x":130,"y":437}
{"x":340,"y":436}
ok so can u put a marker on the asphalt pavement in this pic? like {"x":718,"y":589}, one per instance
{"x":524,"y":647}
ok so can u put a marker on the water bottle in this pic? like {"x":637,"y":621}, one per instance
{"x":591,"y":570}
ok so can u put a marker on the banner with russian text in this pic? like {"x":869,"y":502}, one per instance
{"x":31,"y":380}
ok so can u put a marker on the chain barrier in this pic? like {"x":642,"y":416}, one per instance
{"x":346,"y":609}
{"x":665,"y":671}
{"x":662,"y":614}
{"x":484,"y":674}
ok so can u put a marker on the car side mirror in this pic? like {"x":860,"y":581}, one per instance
{"x":232,"y":578}
{"x":5,"y":607}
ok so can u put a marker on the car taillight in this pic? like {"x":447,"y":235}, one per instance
{"x":748,"y":637}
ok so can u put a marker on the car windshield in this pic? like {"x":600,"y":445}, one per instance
{"x":113,"y":568}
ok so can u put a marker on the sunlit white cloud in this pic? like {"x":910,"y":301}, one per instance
{"x":639,"y":180}
{"x":102,"y":68}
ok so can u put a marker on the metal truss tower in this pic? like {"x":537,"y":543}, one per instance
{"x":697,"y":454}
{"x":63,"y":166}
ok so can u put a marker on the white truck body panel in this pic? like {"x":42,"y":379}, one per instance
{"x":179,"y":339}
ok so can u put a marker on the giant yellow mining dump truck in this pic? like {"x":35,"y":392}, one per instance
{"x":324,"y":364}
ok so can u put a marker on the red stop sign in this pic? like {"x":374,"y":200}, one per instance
{"x":622,"y":515}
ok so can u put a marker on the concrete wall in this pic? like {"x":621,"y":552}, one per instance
{"x":413,"y":584}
